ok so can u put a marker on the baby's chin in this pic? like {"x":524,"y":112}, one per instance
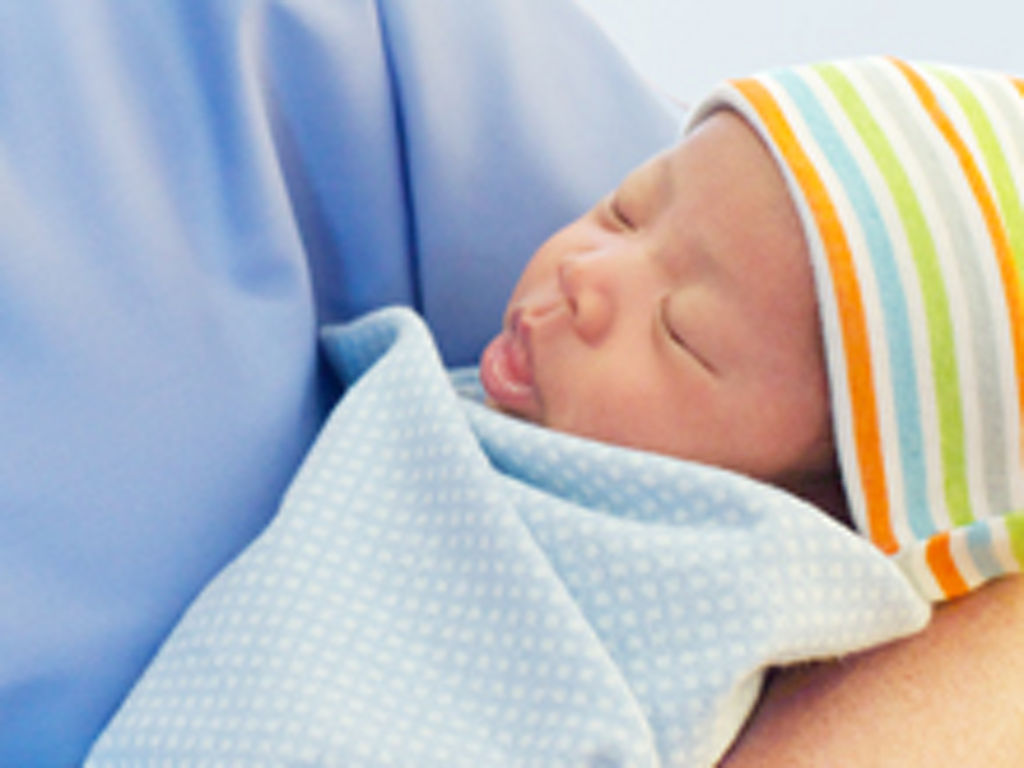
{"x":494,"y":405}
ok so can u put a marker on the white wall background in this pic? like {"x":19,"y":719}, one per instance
{"x":687,"y":45}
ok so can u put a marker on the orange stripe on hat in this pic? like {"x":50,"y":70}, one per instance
{"x":859,"y":373}
{"x":943,"y":566}
{"x":997,"y":230}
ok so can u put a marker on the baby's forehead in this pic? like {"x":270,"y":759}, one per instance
{"x":672,"y":164}
{"x":720,"y":138}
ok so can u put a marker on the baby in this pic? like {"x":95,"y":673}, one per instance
{"x":655,"y":322}
{"x":873,"y":206}
{"x":818,"y":288}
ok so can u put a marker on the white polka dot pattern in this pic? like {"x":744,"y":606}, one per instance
{"x":444,"y":586}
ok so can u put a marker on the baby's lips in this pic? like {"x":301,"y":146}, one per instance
{"x":506,"y":375}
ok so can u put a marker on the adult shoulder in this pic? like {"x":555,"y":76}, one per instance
{"x":952,"y":695}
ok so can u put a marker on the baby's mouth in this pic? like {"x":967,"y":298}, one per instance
{"x":506,"y":372}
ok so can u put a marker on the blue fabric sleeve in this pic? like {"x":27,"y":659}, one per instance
{"x":187,"y":190}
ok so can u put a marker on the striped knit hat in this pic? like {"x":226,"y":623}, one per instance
{"x":909,"y":181}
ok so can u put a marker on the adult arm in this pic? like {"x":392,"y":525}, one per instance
{"x":952,"y":695}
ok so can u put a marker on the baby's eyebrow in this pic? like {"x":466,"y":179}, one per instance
{"x":665,"y":181}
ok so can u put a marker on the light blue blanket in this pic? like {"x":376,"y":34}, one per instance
{"x":447,"y":586}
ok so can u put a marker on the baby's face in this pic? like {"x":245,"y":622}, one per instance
{"x":677,"y":316}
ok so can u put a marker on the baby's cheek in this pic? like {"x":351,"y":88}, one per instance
{"x":586,"y":411}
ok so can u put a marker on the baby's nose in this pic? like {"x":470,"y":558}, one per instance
{"x":588,"y":284}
